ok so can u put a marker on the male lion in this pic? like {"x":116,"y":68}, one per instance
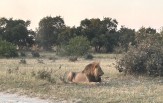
{"x":91,"y":73}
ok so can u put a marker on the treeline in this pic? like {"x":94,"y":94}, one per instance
{"x":98,"y":35}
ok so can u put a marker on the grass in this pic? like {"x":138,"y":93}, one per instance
{"x":116,"y":88}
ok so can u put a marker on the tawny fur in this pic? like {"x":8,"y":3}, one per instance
{"x":91,"y":73}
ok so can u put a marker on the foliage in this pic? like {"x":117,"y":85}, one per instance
{"x":66,"y":34}
{"x":99,"y":32}
{"x":126,"y":38}
{"x":111,"y":42}
{"x":48,"y":31}
{"x":22,"y":54}
{"x":77,"y":46}
{"x":45,"y":75}
{"x":15,"y":31}
{"x":145,"y":58}
{"x":7,"y":49}
{"x":102,"y":34}
{"x":53,"y":58}
{"x":142,"y":33}
{"x":88,"y":56}
{"x":73,"y":58}
{"x":35,"y":54}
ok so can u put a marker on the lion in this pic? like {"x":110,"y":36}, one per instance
{"x":91,"y":73}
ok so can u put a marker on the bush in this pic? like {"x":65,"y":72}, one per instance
{"x":22,"y":54}
{"x":22,"y":61}
{"x":88,"y":56}
{"x":73,"y":58}
{"x":53,"y":58}
{"x":77,"y":46}
{"x":145,"y":58}
{"x":45,"y":75}
{"x":35,"y":54}
{"x":7,"y":49}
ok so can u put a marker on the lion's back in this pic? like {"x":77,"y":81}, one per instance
{"x":80,"y":77}
{"x":77,"y":77}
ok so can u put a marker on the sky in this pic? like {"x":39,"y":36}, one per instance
{"x":130,"y":13}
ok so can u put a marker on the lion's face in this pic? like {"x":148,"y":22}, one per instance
{"x":98,"y":71}
{"x":93,"y":72}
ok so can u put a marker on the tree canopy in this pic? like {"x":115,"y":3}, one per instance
{"x":48,"y":30}
{"x":15,"y":31}
{"x":102,"y":34}
{"x":99,"y":31}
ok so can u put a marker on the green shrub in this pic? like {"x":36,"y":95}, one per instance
{"x":22,"y":54}
{"x":145,"y":58}
{"x":45,"y":75}
{"x":77,"y":46}
{"x":7,"y":49}
{"x":88,"y":56}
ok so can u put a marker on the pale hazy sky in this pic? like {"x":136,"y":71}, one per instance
{"x":131,"y":13}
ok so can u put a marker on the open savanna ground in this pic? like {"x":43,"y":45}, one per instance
{"x":45,"y":80}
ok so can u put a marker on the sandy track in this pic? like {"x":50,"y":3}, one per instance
{"x":14,"y":98}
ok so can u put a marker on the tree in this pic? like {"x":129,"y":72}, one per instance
{"x":31,"y":37}
{"x":126,"y":37}
{"x":112,"y":41}
{"x":99,"y":32}
{"x":109,"y":25}
{"x":90,"y":27}
{"x":65,"y":35}
{"x":143,"y":33}
{"x":49,"y":28}
{"x":15,"y":31}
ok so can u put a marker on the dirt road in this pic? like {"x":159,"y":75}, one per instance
{"x":14,"y":98}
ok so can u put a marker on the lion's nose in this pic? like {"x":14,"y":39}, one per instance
{"x":102,"y":73}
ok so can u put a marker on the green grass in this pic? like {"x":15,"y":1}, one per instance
{"x":115,"y":88}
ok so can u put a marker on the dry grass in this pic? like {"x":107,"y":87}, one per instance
{"x":116,"y":88}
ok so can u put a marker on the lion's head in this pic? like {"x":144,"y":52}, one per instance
{"x":93,"y":72}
